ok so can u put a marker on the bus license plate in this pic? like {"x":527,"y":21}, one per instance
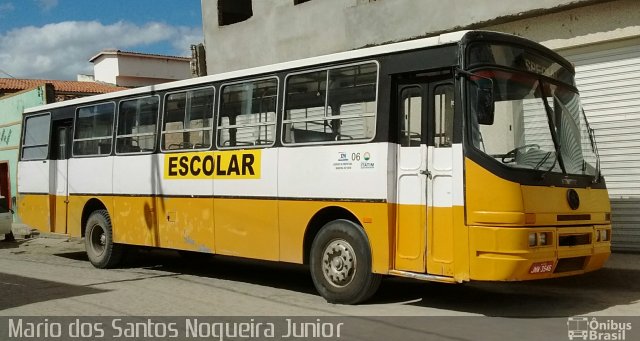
{"x":542,"y":267}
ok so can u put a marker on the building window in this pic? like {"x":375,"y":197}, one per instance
{"x":298,"y":2}
{"x":233,"y":11}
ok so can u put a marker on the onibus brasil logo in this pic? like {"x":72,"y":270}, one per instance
{"x":583,"y":328}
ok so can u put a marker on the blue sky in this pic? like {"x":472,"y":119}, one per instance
{"x":54,"y":39}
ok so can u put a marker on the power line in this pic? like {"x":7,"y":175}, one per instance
{"x":6,"y":73}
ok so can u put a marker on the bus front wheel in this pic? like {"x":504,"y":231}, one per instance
{"x":103,"y":253}
{"x":340,"y":263}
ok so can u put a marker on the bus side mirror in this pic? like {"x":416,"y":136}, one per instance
{"x":485,"y":104}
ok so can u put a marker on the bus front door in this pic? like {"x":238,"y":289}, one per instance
{"x":411,"y":213}
{"x":60,"y":156}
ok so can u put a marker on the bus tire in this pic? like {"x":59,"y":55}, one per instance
{"x":340,"y":263}
{"x":103,"y":253}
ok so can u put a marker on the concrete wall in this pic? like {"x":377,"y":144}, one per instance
{"x":280,"y":31}
{"x":105,"y":69}
{"x":587,"y":25}
{"x":11,"y":109}
{"x":132,"y":71}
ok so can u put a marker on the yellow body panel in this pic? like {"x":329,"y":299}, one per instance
{"x":411,"y":237}
{"x":247,"y":228}
{"x":374,"y":217}
{"x":501,"y":215}
{"x":35,"y":210}
{"x":486,"y":240}
{"x":59,"y":217}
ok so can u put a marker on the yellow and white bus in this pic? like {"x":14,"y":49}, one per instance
{"x":464,"y":156}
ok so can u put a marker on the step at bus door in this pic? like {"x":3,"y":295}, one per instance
{"x":60,"y":154}
{"x":411,"y":218}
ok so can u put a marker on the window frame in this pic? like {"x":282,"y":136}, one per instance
{"x":155,"y":133}
{"x":163,"y":111}
{"x":24,"y":137}
{"x":284,"y":121}
{"x":275,"y":123}
{"x":75,"y":123}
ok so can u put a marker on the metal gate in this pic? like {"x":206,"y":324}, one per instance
{"x":608,"y":77}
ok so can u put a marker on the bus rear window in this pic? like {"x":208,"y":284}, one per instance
{"x":35,"y":145}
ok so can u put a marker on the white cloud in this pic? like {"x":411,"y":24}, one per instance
{"x":6,"y":7}
{"x":47,"y":5}
{"x":62,"y":50}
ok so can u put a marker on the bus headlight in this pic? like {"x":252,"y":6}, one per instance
{"x":533,"y":240}
{"x":543,"y":238}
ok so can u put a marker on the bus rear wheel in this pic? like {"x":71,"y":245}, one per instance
{"x":103,"y":253}
{"x":340,"y":263}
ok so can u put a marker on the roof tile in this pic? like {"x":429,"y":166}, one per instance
{"x":61,"y":86}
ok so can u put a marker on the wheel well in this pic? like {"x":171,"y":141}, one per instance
{"x":91,"y":206}
{"x":320,"y":219}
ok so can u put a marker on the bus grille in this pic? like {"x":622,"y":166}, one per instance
{"x":574,"y":239}
{"x":570,"y":264}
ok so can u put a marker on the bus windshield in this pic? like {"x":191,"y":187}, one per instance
{"x":538,"y":124}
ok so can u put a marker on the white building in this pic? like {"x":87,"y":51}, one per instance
{"x":132,"y":69}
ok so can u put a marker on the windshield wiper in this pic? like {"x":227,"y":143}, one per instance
{"x":554,"y":133}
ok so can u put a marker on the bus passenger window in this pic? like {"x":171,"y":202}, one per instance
{"x":337,"y":104}
{"x":443,"y":101}
{"x":36,"y":137}
{"x":94,"y":130}
{"x":136,"y":131}
{"x":188,"y":120}
{"x":248,"y":114}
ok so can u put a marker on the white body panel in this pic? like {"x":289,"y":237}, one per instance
{"x":91,"y":175}
{"x":334,"y":172}
{"x":33,"y":177}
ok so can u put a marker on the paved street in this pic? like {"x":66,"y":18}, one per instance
{"x":46,"y":276}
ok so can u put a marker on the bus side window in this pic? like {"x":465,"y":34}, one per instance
{"x":338,"y":104}
{"x":247,"y":115}
{"x":443,"y":101}
{"x":94,"y":130}
{"x":136,"y":131}
{"x":36,"y":137}
{"x":188,"y":120}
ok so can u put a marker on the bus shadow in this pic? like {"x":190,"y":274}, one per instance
{"x":286,"y":276}
{"x":561,"y":297}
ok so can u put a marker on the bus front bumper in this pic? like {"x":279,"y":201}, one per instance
{"x":527,"y":253}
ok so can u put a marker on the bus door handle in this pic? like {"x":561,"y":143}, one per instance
{"x":427,"y":173}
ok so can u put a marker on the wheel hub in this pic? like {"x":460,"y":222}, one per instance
{"x":339,"y":263}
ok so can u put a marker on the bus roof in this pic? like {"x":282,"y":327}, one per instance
{"x":442,"y":39}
